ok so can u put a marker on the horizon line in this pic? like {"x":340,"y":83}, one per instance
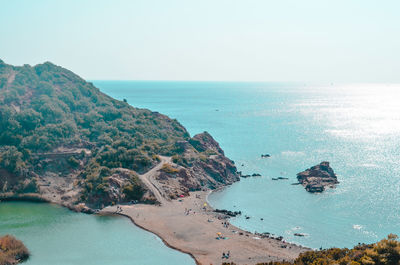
{"x":250,"y":81}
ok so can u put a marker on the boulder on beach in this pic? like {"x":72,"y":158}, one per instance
{"x":317,"y":178}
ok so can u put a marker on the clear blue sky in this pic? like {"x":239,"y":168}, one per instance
{"x":249,"y":40}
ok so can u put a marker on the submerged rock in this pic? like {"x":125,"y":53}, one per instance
{"x":317,"y":178}
{"x":280,"y":178}
{"x":248,"y":176}
{"x":227,"y":212}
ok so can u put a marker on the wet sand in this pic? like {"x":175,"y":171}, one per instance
{"x":196,"y":233}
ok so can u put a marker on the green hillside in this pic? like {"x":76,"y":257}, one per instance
{"x":47,"y":110}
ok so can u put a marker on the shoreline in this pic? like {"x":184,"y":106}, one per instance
{"x":224,"y":187}
{"x":168,"y":223}
{"x":38,"y":198}
{"x":195,"y":233}
{"x":160,"y":237}
{"x":28,"y":197}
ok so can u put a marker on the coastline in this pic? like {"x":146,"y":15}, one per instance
{"x":195,"y":233}
{"x":160,"y":237}
{"x":168,"y":222}
{"x":290,"y":242}
{"x":29,"y":197}
{"x":35,"y":197}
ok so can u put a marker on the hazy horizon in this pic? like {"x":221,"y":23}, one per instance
{"x":252,"y":41}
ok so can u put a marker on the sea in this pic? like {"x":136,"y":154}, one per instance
{"x":356,"y":127}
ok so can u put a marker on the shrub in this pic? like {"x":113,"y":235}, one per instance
{"x":133,"y":192}
{"x":73,"y":162}
{"x":384,"y":252}
{"x":167,"y":168}
{"x":12,"y":250}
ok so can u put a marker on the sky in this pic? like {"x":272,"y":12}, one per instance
{"x":210,"y":40}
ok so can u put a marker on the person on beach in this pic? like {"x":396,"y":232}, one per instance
{"x":226,"y":256}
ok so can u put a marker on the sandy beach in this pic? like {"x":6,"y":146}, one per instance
{"x":195,"y":232}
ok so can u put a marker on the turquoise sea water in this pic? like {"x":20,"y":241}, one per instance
{"x":57,"y":236}
{"x":355,"y":127}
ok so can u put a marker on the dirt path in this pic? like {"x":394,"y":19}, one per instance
{"x":148,"y":179}
{"x":10,"y":79}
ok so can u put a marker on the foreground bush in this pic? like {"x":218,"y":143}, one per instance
{"x":384,"y":252}
{"x":12,"y":251}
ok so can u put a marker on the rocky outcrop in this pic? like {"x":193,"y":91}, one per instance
{"x":204,"y":141}
{"x":317,"y":178}
{"x":202,"y":165}
{"x":228,"y":213}
{"x":248,"y":176}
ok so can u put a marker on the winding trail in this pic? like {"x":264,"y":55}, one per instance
{"x":148,"y":179}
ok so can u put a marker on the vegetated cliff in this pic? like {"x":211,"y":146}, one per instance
{"x":318,"y":177}
{"x":63,"y":140}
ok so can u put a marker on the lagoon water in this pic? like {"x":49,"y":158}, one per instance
{"x":355,"y":127}
{"x":57,"y":236}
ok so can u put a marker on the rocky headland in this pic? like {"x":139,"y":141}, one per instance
{"x":318,"y":177}
{"x":66,"y":142}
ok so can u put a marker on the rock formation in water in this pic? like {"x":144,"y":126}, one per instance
{"x":62,"y":140}
{"x":317,"y":178}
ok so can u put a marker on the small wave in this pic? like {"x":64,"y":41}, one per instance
{"x":357,"y":227}
{"x":370,"y":234}
{"x":370,"y":165}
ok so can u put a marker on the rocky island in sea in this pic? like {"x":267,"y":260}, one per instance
{"x":318,"y":177}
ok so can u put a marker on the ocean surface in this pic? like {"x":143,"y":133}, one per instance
{"x":354,"y":127}
{"x":57,"y":236}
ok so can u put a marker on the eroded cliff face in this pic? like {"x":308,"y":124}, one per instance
{"x":201,"y":166}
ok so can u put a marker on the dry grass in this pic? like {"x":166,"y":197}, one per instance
{"x":12,"y":250}
{"x":167,"y":168}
